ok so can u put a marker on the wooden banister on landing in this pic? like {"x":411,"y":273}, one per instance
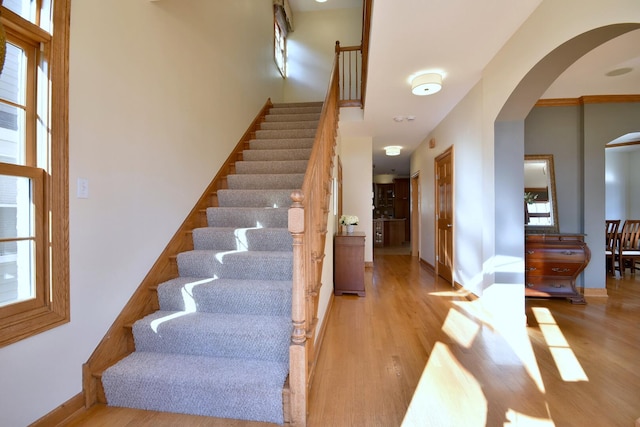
{"x":308,"y":218}
{"x":353,"y":64}
{"x":350,"y":64}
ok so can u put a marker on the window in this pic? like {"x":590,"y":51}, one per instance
{"x":34,"y":279}
{"x":280,"y":49}
{"x":282,"y":25}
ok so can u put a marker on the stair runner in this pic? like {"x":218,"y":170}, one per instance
{"x":219,"y":344}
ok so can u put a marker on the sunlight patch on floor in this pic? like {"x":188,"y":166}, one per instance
{"x":444,"y":388}
{"x":463,"y":293}
{"x":460,"y":328}
{"x":516,"y":419}
{"x":566,"y":361}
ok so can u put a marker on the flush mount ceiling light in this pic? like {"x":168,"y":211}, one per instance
{"x":426,"y":84}
{"x":321,"y":1}
{"x":392,"y":150}
{"x":619,"y":72}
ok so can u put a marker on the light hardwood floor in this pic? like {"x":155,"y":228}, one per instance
{"x":414,"y":346}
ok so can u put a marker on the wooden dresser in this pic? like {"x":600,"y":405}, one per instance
{"x":348,"y":263}
{"x":552,"y":264}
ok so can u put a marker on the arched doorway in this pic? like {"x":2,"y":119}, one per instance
{"x":509,"y":136}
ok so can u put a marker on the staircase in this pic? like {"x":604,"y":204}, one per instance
{"x":219,"y":344}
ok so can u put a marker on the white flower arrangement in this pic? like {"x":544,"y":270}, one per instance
{"x":349,"y":220}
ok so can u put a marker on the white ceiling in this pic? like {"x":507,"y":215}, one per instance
{"x":457,"y":38}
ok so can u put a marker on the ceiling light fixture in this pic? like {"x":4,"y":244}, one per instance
{"x":619,"y":72}
{"x":321,"y":1}
{"x":392,"y":150}
{"x":426,"y":84}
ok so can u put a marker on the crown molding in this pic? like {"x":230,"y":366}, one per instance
{"x":588,"y":99}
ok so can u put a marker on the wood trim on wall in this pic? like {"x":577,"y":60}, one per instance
{"x":589,"y":99}
{"x":595,"y":292}
{"x":70,"y":408}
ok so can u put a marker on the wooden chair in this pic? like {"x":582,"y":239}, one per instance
{"x":612,"y":226}
{"x":629,"y":246}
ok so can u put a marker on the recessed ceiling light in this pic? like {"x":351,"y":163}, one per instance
{"x":398,"y":119}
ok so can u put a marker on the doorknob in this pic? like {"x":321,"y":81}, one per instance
{"x":449,"y":225}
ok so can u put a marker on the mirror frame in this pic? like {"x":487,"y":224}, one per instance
{"x":546,"y":229}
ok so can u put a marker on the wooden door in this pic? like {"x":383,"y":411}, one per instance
{"x":444,"y":214}
{"x":415,"y":214}
{"x":401,"y":206}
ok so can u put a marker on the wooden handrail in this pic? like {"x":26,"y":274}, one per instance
{"x":366,"y":31}
{"x":308,"y":218}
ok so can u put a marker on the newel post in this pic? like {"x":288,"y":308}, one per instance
{"x":297,"y":349}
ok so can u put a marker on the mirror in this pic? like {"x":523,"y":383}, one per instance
{"x":540,"y":207}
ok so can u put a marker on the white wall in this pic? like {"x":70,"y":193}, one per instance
{"x":357,"y":165}
{"x":311,"y":49}
{"x":158,"y":97}
{"x":467,"y":189}
{"x":616,"y":179}
{"x":622,"y":184}
{"x":634,"y":185}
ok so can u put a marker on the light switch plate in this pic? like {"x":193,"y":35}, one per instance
{"x":83,"y":188}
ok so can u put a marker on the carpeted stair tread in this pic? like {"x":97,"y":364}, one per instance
{"x":211,"y":295}
{"x":214,"y":387}
{"x":281,"y":144}
{"x":292,"y":117}
{"x":282,"y":125}
{"x":295,"y":109}
{"x":278,"y":154}
{"x":277,"y":166}
{"x":265,"y":181}
{"x":286,"y":133}
{"x":242,"y":239}
{"x":247,"y":217}
{"x":316,"y":104}
{"x":256,"y":337}
{"x":271,"y":265}
{"x":254,"y":198}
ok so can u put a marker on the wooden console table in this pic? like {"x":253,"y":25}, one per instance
{"x":348,"y":263}
{"x":552,"y":264}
